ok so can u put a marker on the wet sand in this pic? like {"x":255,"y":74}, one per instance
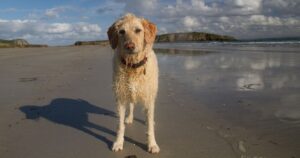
{"x":58,"y":102}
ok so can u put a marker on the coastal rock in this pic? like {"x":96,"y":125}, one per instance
{"x":20,"y":43}
{"x":101,"y":42}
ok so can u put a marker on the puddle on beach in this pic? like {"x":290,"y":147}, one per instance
{"x":257,"y":90}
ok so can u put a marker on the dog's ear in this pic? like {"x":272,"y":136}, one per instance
{"x":113,"y":36}
{"x":150,"y":31}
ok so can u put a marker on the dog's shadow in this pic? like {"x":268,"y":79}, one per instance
{"x":74,"y":113}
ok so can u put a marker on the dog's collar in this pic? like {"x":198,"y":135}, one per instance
{"x":134,"y":65}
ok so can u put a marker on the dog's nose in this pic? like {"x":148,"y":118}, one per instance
{"x":130,"y":46}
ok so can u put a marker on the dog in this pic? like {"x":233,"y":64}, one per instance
{"x":135,"y":73}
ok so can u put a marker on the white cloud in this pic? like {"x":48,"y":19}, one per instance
{"x":263,"y":20}
{"x":200,"y":5}
{"x":190,"y":22}
{"x":59,"y":28}
{"x":51,"y":13}
{"x":56,"y":11}
{"x":248,"y":5}
{"x":40,"y":32}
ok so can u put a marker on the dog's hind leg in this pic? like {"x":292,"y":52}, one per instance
{"x":129,"y":118}
{"x":152,"y":145}
{"x":118,"y":144}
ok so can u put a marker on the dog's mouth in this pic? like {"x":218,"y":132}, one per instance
{"x":130,"y":52}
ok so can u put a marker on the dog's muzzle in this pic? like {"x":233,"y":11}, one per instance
{"x":130,"y":46}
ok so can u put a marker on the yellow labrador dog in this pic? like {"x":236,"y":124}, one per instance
{"x":135,"y":73}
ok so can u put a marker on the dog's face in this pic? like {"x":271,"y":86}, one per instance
{"x":131,"y":34}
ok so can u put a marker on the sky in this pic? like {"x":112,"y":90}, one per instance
{"x":61,"y":22}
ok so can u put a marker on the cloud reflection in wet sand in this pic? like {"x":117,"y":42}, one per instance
{"x":256,"y":91}
{"x":264,"y":73}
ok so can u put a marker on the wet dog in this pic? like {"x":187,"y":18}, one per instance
{"x":135,"y":73}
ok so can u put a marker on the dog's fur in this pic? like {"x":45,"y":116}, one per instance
{"x":134,"y":85}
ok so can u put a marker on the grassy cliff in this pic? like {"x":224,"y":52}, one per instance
{"x":192,"y":37}
{"x":19,"y":43}
{"x":172,"y":37}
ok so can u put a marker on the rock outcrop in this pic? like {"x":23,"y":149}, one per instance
{"x":20,"y":43}
{"x":101,"y":43}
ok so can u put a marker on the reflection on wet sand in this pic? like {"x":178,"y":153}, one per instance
{"x":255,"y":90}
{"x":244,"y":70}
{"x":182,"y":52}
{"x":290,"y":111}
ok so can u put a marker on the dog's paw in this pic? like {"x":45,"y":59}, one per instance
{"x":129,"y":120}
{"x":153,"y":149}
{"x":117,"y":146}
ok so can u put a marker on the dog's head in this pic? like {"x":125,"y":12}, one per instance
{"x":131,"y":34}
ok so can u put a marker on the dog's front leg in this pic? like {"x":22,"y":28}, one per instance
{"x":118,"y":144}
{"x":129,"y":118}
{"x":152,"y":145}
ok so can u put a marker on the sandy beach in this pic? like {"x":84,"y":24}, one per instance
{"x":58,"y":102}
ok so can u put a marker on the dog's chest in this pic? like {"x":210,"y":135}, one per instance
{"x":130,"y":82}
{"x":133,"y":86}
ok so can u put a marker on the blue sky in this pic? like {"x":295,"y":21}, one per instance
{"x":59,"y":22}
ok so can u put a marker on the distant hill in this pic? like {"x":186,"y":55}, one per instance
{"x":192,"y":37}
{"x":19,"y":43}
{"x":172,"y":37}
{"x":100,"y":42}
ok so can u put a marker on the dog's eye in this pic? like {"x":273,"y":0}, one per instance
{"x":138,"y":30}
{"x":122,"y":32}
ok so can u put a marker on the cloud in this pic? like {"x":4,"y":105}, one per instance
{"x":252,"y":5}
{"x":8,"y":10}
{"x":200,"y":5}
{"x":105,"y":9}
{"x":190,"y":8}
{"x":55,"y":12}
{"x":41,"y":32}
{"x":264,"y":20}
{"x":111,"y":8}
{"x":190,"y":22}
{"x":281,"y":7}
{"x":51,"y":13}
{"x":240,"y":18}
{"x":141,"y":7}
